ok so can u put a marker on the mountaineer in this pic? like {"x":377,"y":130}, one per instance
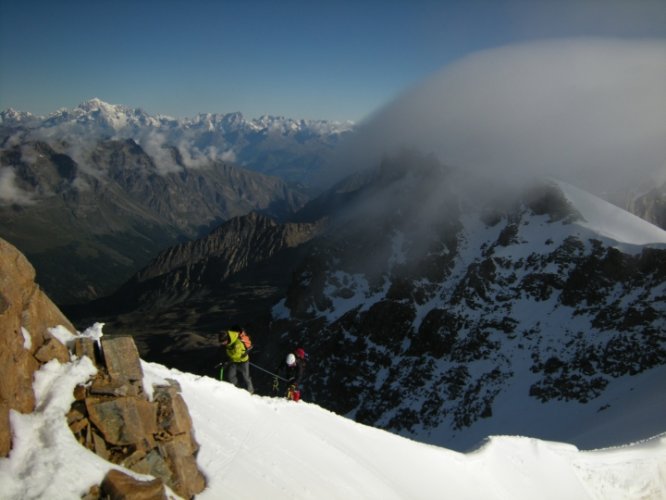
{"x":237,"y":356}
{"x":294,"y":369}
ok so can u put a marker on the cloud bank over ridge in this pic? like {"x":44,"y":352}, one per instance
{"x":590,"y":111}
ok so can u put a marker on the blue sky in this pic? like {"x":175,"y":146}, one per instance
{"x":304,"y":59}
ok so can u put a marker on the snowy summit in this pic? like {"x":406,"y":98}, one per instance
{"x":608,"y":220}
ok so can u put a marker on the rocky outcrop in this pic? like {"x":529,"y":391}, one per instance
{"x":112,"y":414}
{"x":26,"y":314}
{"x":114,"y":417}
{"x":120,"y":486}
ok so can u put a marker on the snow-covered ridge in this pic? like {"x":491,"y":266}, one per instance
{"x":11,"y":116}
{"x":260,"y":447}
{"x":610,"y":221}
{"x":546,"y":313}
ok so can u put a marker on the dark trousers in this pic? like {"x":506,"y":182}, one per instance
{"x":244,"y":369}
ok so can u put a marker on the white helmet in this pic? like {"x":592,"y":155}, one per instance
{"x":291,"y":359}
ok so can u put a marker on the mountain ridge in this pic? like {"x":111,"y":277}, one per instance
{"x":446,"y":321}
{"x":101,"y":188}
{"x":98,"y":107}
{"x":105,"y":213}
{"x":434,"y":313}
{"x":263,"y":144}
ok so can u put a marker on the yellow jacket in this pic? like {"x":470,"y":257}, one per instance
{"x":236,"y":349}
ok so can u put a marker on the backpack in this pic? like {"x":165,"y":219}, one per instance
{"x":300,"y":353}
{"x":245,"y":339}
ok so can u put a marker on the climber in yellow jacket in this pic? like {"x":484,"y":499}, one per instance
{"x":238,"y":358}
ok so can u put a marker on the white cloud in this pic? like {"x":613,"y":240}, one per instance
{"x":10,"y":193}
{"x":228,"y":156}
{"x":153,"y":143}
{"x":588,"y":111}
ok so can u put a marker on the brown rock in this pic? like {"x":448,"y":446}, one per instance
{"x":100,"y":446}
{"x":4,"y":304}
{"x":16,"y":373}
{"x":124,"y":421}
{"x":174,"y":385}
{"x":52,"y":349}
{"x":22,"y":306}
{"x":113,"y":388}
{"x":121,"y":358}
{"x":154,"y":464}
{"x":76,"y":412}
{"x":133,"y":458}
{"x":120,"y":486}
{"x":174,"y":416}
{"x":187,"y":478}
{"x":79,"y":392}
{"x":41,"y":314}
{"x":182,"y":445}
{"x":181,"y":421}
{"x":84,"y":346}
{"x":21,"y":294}
{"x":5,"y":433}
{"x":93,"y":493}
{"x":79,"y":425}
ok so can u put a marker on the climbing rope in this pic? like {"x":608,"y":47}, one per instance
{"x":270,"y":373}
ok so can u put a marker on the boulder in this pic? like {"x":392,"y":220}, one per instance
{"x":174,"y":417}
{"x":26,"y":314}
{"x":85,"y":346}
{"x":111,"y":415}
{"x":154,"y":464}
{"x":120,"y":486}
{"x":121,"y":359}
{"x":52,"y":349}
{"x":114,"y":418}
{"x":187,"y":479}
{"x":124,"y":420}
{"x":5,"y":433}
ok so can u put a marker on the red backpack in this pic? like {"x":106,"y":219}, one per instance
{"x":245,"y":339}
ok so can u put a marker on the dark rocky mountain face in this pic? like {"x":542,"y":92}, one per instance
{"x":87,"y":225}
{"x":442,"y":317}
{"x":427,"y":307}
{"x":176,"y":306}
{"x":201,"y":266}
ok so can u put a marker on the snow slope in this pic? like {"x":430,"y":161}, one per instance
{"x":257,"y":447}
{"x":610,"y":221}
{"x":505,"y":340}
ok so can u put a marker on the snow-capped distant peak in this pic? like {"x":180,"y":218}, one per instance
{"x":10,"y":115}
{"x":610,"y":221}
{"x":94,"y":104}
{"x":97,"y":112}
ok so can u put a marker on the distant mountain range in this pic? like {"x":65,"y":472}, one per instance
{"x":427,"y":309}
{"x":283,"y":147}
{"x":92,"y":194}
